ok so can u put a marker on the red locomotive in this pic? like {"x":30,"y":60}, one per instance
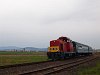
{"x":63,"y":47}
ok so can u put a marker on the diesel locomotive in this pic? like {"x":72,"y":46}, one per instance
{"x":63,"y":47}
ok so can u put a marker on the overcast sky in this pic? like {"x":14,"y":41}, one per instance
{"x":36,"y":22}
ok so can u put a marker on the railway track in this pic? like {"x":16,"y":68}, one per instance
{"x":43,"y":68}
{"x":57,"y":68}
{"x":18,"y":68}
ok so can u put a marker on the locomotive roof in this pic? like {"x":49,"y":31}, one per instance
{"x":65,"y":38}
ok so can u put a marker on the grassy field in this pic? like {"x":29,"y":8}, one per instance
{"x":94,"y":70}
{"x":21,"y":53}
{"x":8,"y":58}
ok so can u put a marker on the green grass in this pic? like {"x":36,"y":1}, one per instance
{"x":21,"y":53}
{"x":90,"y":70}
{"x":9,"y":58}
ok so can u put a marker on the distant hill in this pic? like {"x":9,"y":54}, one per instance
{"x":97,"y":50}
{"x":35,"y":49}
{"x":9,"y":48}
{"x":26,"y":48}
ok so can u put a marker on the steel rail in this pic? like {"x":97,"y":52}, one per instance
{"x":70,"y":66}
{"x":16,"y":68}
{"x":23,"y":64}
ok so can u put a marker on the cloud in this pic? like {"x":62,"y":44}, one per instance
{"x":36,"y":22}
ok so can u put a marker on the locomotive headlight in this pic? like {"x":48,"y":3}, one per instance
{"x":53,"y":49}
